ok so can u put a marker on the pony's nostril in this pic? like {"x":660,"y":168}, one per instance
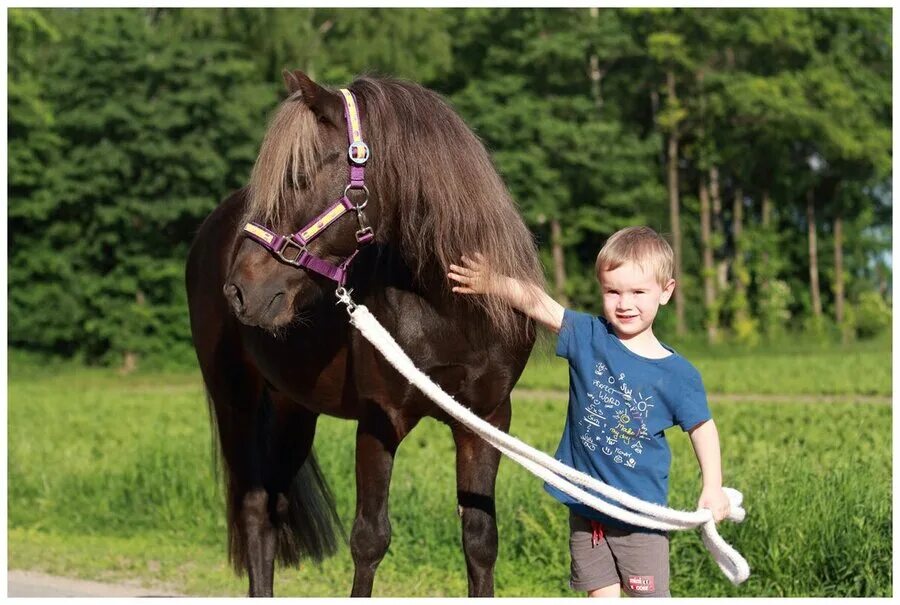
{"x":234,"y":296}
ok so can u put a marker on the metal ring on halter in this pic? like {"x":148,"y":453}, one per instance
{"x":365,"y":190}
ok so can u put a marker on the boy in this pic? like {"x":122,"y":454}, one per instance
{"x":625,"y":389}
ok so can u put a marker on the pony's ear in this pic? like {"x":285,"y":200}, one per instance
{"x":291,"y":82}
{"x":326,"y":105}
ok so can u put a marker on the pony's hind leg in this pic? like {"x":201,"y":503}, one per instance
{"x":286,"y":514}
{"x":476,"y":474}
{"x":376,"y":443}
{"x":267,"y":445}
{"x":241,"y":421}
{"x":260,"y":539}
{"x":253,"y":528}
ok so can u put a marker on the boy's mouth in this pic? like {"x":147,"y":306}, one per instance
{"x":627,"y":317}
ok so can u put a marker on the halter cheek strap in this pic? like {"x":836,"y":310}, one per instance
{"x":292,"y":249}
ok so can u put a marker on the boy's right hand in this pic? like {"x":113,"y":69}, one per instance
{"x":475,"y":277}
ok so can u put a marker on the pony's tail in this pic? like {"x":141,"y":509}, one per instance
{"x":312,"y":525}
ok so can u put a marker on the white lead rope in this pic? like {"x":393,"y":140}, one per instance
{"x":557,"y":474}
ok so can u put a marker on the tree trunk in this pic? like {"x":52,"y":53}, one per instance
{"x":718,"y":227}
{"x":766,"y":208}
{"x":129,"y":362}
{"x":559,"y":264}
{"x":596,"y":74}
{"x":813,"y":254}
{"x":130,"y":358}
{"x":839,"y":273}
{"x":737,"y":231}
{"x":766,"y":221}
{"x":675,"y":211}
{"x":709,"y":283}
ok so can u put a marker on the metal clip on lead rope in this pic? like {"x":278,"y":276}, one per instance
{"x":343,"y":296}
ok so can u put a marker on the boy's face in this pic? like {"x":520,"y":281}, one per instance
{"x":631,"y":298}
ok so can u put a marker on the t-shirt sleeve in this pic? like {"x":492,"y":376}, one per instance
{"x":577,"y":332}
{"x":692,"y":407}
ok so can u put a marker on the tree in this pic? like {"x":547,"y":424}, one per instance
{"x":41,"y":283}
{"x":574,"y":170}
{"x":156,"y":129}
{"x":667,"y":48}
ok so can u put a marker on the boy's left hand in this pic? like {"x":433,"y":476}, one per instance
{"x":714,"y":499}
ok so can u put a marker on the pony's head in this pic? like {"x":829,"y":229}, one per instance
{"x":302,"y":167}
{"x":434,"y":196}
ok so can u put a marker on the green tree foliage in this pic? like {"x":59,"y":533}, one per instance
{"x":561,"y":157}
{"x":126,"y":127}
{"x":41,"y":309}
{"x":155,"y":128}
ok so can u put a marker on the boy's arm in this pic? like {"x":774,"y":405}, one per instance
{"x":705,"y":439}
{"x":477,"y":278}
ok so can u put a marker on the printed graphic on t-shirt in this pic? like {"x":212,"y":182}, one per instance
{"x":615,"y":422}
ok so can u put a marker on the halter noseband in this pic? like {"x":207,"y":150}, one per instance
{"x":292,"y":249}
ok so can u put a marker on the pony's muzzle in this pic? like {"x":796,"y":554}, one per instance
{"x":256,"y":310}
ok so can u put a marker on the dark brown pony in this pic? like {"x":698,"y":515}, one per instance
{"x":275,"y":351}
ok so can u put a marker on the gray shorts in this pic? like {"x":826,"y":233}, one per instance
{"x":637,"y":561}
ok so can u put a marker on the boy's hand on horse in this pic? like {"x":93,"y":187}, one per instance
{"x":476,"y":276}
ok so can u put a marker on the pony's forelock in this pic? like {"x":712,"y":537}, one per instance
{"x":289,"y":155}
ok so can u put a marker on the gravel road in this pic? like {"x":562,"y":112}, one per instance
{"x":36,"y":584}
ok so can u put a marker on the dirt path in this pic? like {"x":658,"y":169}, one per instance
{"x":35,"y":584}
{"x":733,"y":397}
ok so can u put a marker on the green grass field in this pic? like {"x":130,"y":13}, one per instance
{"x":110,"y":478}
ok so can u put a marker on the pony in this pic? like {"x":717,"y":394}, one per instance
{"x":275,"y":352}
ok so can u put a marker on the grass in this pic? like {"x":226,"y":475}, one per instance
{"x":858,"y":369}
{"x":110,"y":478}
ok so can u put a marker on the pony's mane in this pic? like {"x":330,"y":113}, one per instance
{"x":445,"y":194}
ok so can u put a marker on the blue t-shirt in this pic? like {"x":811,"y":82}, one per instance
{"x":619,"y":405}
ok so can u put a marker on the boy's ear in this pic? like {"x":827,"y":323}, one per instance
{"x":667,"y":291}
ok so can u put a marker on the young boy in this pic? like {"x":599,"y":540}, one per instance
{"x":625,"y":389}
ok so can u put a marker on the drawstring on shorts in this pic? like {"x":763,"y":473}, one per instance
{"x":596,"y":533}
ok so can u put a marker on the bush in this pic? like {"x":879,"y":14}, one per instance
{"x":774,"y":308}
{"x":873,"y":315}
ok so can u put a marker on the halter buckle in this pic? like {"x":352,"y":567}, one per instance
{"x":358,"y":152}
{"x":301,"y":250}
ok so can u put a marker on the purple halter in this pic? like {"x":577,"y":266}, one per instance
{"x":291,"y":249}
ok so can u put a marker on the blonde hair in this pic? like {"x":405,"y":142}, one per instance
{"x":642,"y":246}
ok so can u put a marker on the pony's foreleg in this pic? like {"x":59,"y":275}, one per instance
{"x":376,"y":444}
{"x":476,"y":474}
